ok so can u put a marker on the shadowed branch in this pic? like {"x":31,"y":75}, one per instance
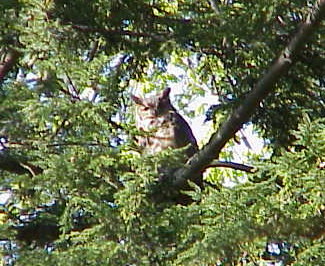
{"x":263,"y":88}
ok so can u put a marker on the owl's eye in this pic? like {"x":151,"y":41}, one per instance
{"x":145,"y":108}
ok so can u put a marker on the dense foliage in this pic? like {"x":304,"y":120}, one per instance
{"x":81,"y":193}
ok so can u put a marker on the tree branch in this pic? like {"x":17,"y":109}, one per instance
{"x":8,"y":62}
{"x":214,"y":7}
{"x":232,"y":165}
{"x":264,"y":87}
{"x":13,"y":165}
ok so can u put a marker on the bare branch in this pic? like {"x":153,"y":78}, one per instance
{"x":92,"y":51}
{"x":232,"y":165}
{"x":13,"y":165}
{"x":264,"y":87}
{"x":214,"y":6}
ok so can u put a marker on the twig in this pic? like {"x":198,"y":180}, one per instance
{"x":159,"y":37}
{"x":93,"y":50}
{"x":214,"y":6}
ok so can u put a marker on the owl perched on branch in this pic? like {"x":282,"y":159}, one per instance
{"x":164,"y":126}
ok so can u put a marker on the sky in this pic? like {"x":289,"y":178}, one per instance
{"x":201,"y":129}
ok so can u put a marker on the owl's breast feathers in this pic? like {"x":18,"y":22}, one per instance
{"x":167,"y":131}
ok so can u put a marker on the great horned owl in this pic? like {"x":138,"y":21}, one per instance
{"x":165,"y":128}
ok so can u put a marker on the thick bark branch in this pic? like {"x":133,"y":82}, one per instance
{"x":263,"y":88}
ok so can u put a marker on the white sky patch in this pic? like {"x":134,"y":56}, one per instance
{"x":201,"y":129}
{"x":5,"y":197}
{"x":177,"y":71}
{"x":255,"y":142}
{"x":90,"y":94}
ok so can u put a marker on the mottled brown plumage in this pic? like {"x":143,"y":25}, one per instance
{"x":164,"y":126}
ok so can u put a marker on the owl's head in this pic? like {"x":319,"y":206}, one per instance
{"x":153,"y":106}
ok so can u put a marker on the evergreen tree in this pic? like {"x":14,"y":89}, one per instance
{"x":80,"y":192}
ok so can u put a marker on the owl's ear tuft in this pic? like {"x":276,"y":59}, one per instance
{"x":136,"y":99}
{"x":165,"y":93}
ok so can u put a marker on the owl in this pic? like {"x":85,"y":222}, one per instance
{"x":162,"y":125}
{"x":164,"y":128}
